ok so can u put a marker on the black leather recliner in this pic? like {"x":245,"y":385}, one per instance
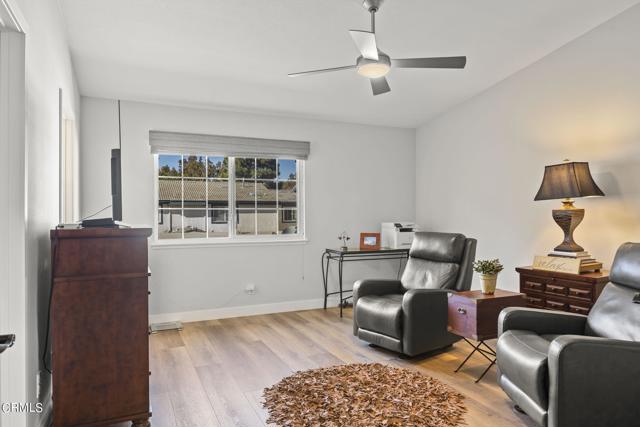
{"x":570,"y":370}
{"x":409,"y":316}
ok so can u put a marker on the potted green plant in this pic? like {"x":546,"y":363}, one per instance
{"x":488,"y":270}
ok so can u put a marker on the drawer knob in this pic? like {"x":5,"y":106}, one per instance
{"x":462,"y":310}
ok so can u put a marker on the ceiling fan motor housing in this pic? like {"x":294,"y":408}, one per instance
{"x":383,"y":58}
{"x":372,"y":4}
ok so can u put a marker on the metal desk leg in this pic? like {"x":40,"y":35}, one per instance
{"x":340,"y":280}
{"x":325,"y":276}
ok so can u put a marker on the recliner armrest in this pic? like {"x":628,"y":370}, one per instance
{"x":373,"y":287}
{"x":417,"y":298}
{"x":425,"y":319}
{"x":376,"y":287}
{"x":593,"y":381}
{"x":541,"y":321}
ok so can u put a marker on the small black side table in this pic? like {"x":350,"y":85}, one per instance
{"x":355,"y":254}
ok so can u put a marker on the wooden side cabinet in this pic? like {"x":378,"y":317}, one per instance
{"x":474,"y":315}
{"x":99,"y":326}
{"x":575,"y":293}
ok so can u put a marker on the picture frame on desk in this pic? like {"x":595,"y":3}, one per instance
{"x":370,"y":241}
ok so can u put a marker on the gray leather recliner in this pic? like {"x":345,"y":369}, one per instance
{"x":570,"y":370}
{"x":409,"y":315}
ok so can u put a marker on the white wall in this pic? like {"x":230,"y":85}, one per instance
{"x":48,"y":68}
{"x":479,"y":166}
{"x":356,"y":177}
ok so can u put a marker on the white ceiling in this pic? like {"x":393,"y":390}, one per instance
{"x":236,"y":53}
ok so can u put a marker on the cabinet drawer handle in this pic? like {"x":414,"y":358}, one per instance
{"x":462,"y":310}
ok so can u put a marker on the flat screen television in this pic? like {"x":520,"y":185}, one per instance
{"x":116,"y":185}
{"x":116,"y":196}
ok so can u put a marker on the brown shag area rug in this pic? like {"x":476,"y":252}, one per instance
{"x":359,"y":395}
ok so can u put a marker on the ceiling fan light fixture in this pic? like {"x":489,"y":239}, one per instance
{"x":374,"y":70}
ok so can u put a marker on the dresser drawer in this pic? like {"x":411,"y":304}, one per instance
{"x":578,"y":309}
{"x":536,"y":302}
{"x":531,"y":284}
{"x":555,"y":290}
{"x":583,"y":294}
{"x":553,"y":304}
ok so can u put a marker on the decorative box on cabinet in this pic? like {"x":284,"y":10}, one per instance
{"x":99,"y":326}
{"x":574,"y":293}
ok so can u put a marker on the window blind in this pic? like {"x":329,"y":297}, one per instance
{"x":162,"y":142}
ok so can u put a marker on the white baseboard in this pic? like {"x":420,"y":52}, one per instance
{"x":240,"y":311}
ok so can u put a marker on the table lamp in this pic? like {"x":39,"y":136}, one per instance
{"x":566,"y":181}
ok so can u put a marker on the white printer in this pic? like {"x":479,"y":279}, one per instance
{"x":397,"y":235}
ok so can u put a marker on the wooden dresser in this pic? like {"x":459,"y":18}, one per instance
{"x":575,"y":293}
{"x":99,"y":326}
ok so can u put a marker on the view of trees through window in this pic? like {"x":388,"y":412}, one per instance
{"x":217,"y":197}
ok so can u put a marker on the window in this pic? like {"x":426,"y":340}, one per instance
{"x":204,"y":198}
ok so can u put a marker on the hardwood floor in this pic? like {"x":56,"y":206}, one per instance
{"x":212,"y":373}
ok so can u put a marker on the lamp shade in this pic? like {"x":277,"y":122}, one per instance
{"x":567,"y":180}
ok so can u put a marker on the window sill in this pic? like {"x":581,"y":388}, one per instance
{"x":225,"y":243}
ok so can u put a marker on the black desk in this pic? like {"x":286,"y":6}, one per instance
{"x":355,"y":254}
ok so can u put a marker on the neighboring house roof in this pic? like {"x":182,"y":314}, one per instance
{"x":170,"y":189}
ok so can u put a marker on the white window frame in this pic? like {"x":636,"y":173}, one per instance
{"x":233,"y":238}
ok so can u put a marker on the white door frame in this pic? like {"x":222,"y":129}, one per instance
{"x":12,"y":209}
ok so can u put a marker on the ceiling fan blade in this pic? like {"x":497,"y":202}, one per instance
{"x":325,"y":70}
{"x":380,"y":85}
{"x":366,"y":43}
{"x":443,"y":62}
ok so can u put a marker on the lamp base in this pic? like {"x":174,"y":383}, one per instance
{"x":568,"y":218}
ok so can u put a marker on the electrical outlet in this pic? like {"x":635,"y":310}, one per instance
{"x":250,"y":289}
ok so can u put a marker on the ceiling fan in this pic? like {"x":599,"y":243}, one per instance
{"x":375,"y":64}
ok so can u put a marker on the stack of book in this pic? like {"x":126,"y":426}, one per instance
{"x":587,"y":263}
